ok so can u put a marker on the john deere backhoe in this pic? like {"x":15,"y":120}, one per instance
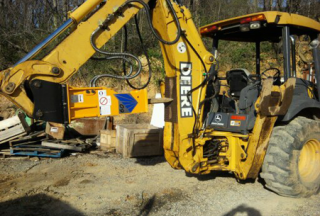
{"x":262,"y":121}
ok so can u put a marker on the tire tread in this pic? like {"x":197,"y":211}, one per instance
{"x":277,"y":168}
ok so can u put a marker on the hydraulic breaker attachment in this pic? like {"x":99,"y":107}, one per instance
{"x":62,"y":103}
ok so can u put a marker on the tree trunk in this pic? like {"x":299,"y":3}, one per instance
{"x":2,"y":13}
{"x":65,"y":9}
{"x":271,"y":5}
{"x":267,"y":5}
{"x":279,"y":5}
{"x":55,"y":14}
{"x":288,"y":7}
{"x":255,"y":5}
{"x":27,"y":21}
{"x":219,"y":10}
{"x":195,"y":8}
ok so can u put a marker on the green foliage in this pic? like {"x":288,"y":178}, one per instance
{"x":266,"y":47}
{"x":155,"y":53}
{"x":21,"y":30}
{"x":237,"y":55}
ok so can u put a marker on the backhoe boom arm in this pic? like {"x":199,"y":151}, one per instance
{"x":65,"y":59}
{"x":186,"y":60}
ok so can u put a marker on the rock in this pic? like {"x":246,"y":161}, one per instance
{"x":35,"y":159}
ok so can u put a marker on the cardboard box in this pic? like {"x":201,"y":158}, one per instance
{"x":55,"y":130}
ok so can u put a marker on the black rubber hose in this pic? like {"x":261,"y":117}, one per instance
{"x":94,"y":80}
{"x":145,"y":53}
{"x":123,"y":56}
{"x":147,"y":9}
{"x":116,"y":56}
{"x":125,"y":45}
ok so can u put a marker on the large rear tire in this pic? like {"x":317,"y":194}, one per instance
{"x":292,"y":163}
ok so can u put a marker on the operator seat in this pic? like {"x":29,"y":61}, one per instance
{"x":237,"y":80}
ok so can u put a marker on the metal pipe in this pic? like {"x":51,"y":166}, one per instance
{"x":46,"y":42}
{"x":286,"y":52}
{"x":258,"y":58}
{"x":215,"y":54}
{"x":75,"y":16}
{"x":310,"y":78}
{"x":316,"y":59}
{"x":293,"y":53}
{"x":215,"y":46}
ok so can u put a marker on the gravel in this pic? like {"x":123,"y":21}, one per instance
{"x":106,"y":184}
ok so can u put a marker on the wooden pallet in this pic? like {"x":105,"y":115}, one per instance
{"x":55,"y":145}
{"x":13,"y":128}
{"x":36,"y":151}
{"x":5,"y":153}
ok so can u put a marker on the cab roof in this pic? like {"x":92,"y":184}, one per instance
{"x":271,"y":23}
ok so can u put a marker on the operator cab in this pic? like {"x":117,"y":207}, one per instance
{"x":234,"y":109}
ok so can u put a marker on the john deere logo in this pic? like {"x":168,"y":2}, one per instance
{"x":218,"y":118}
{"x":185,"y":88}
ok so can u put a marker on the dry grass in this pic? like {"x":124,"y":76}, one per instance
{"x":5,"y":103}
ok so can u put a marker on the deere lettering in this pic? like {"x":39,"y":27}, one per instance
{"x":185,"y":87}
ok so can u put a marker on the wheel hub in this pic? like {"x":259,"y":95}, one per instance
{"x":309,"y":161}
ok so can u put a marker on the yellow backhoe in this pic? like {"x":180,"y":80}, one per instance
{"x":263,"y":121}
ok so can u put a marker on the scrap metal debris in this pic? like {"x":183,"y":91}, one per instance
{"x":37,"y":140}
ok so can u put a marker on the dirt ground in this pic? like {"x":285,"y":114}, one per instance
{"x":106,"y":184}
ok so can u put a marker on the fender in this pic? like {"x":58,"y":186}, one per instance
{"x":303,"y":98}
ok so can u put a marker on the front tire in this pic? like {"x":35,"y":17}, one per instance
{"x":292,"y":163}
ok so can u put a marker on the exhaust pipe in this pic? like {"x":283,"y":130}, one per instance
{"x":316,"y":59}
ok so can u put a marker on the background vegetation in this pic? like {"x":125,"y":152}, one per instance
{"x":24,"y":23}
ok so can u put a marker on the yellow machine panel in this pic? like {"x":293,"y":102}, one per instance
{"x":101,"y":101}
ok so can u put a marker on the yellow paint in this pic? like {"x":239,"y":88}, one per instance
{"x":309,"y":161}
{"x":311,"y":92}
{"x":90,"y":105}
{"x":84,"y":10}
{"x":69,"y":55}
{"x":271,"y":17}
{"x":182,"y":148}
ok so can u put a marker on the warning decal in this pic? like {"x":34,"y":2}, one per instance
{"x":104,"y":103}
{"x":77,"y":98}
{"x":235,"y":123}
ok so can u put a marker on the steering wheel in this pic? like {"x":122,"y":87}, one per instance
{"x":276,"y":77}
{"x":254,"y":77}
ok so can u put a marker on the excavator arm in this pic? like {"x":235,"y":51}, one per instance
{"x":65,"y":60}
{"x":188,"y":67}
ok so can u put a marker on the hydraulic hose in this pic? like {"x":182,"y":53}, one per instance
{"x":176,"y":19}
{"x":124,"y":56}
{"x":145,"y":53}
{"x":94,"y":80}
